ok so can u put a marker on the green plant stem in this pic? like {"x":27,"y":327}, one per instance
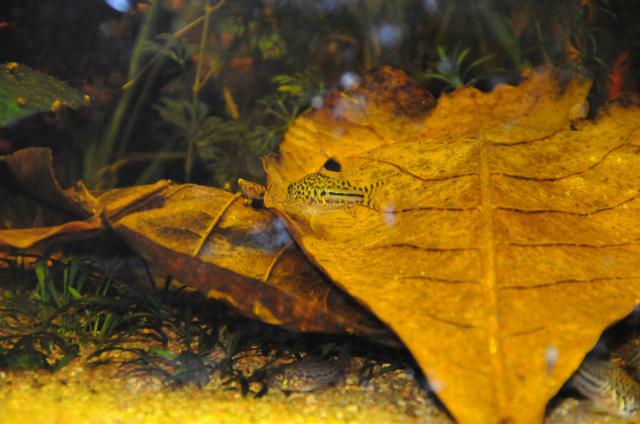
{"x":138,"y":157}
{"x":539,"y":35}
{"x":197,"y":86}
{"x":103,"y":151}
{"x":182,"y":31}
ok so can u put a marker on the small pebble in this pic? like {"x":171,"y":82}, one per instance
{"x":353,"y":408}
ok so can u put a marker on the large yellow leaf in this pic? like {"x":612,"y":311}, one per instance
{"x":504,"y":230}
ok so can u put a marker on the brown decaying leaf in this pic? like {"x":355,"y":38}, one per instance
{"x":33,"y":168}
{"x":508,"y":228}
{"x":24,"y":238}
{"x":207,"y":238}
{"x":212,"y":240}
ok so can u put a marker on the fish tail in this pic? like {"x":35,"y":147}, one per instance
{"x":629,"y":353}
{"x":609,"y":387}
{"x":589,"y":381}
{"x":630,"y":366}
{"x":370,"y":195}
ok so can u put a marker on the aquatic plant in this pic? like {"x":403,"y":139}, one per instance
{"x":451,"y":68}
{"x":70,"y":306}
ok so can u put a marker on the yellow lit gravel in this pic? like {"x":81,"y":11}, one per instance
{"x":78,"y":394}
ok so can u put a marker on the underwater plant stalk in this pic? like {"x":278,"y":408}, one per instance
{"x":99,"y":155}
{"x":197,"y":85}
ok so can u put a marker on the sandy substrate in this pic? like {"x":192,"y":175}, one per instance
{"x":78,"y":394}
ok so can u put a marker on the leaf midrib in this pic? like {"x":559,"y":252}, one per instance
{"x":488,"y":256}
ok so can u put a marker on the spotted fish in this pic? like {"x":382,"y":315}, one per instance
{"x":320,"y":189}
{"x":307,"y":374}
{"x":628,"y":355}
{"x":609,"y":387}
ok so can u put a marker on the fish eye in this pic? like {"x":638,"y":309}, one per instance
{"x":332,"y":165}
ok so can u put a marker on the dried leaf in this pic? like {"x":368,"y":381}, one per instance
{"x":33,"y":168}
{"x":503,"y":227}
{"x":210,"y":239}
{"x":207,"y":238}
{"x":24,"y":238}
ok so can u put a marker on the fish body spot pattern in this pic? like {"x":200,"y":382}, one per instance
{"x":320,"y":189}
{"x":307,"y":375}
